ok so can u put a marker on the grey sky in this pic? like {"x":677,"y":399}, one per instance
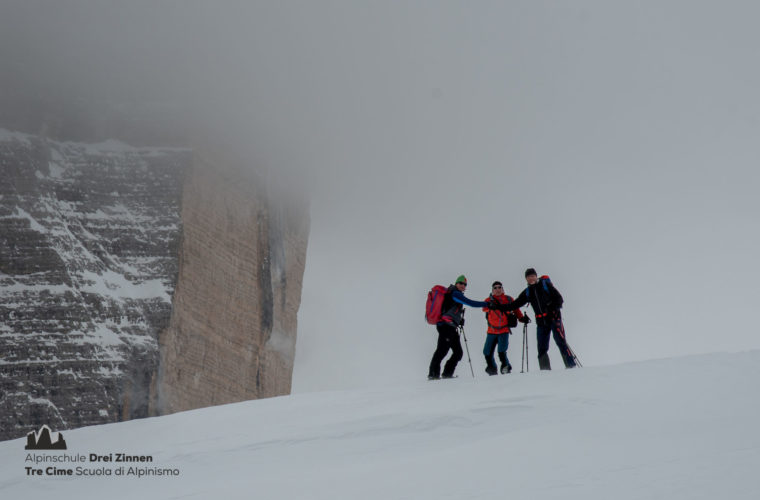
{"x":612,"y":145}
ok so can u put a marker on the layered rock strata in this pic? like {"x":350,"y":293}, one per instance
{"x":136,"y":282}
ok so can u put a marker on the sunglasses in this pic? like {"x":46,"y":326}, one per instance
{"x":497,"y":288}
{"x":460,"y":283}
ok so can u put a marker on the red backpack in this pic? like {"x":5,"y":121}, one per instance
{"x":435,"y":304}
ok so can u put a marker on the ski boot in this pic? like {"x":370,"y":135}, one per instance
{"x":505,"y":366}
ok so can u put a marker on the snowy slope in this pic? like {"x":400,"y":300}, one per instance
{"x":674,"y":428}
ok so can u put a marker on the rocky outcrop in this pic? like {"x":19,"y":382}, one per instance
{"x":233,"y":328}
{"x":135,"y":282}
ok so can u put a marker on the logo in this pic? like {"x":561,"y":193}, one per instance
{"x":115,"y":464}
{"x":43,"y":440}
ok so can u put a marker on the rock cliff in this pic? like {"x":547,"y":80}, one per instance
{"x":136,"y":282}
{"x":233,"y":327}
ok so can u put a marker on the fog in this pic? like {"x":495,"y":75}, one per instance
{"x":611,"y":145}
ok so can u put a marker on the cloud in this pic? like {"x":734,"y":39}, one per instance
{"x":610,"y":145}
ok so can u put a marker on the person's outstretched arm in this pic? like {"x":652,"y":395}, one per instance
{"x":460,"y":298}
{"x":520,"y":301}
{"x":486,"y":301}
{"x":519,"y":313}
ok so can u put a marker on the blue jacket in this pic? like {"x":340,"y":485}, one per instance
{"x":453,"y":306}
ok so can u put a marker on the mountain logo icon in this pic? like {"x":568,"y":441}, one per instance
{"x":43,"y":440}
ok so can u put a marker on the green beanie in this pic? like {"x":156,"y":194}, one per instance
{"x":461,"y":279}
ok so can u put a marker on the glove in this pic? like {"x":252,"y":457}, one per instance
{"x":461,"y":323}
{"x":525,"y":319}
{"x":492,"y":304}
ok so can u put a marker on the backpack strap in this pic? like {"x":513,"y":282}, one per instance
{"x":543,"y":282}
{"x":490,"y":297}
{"x":506,"y":315}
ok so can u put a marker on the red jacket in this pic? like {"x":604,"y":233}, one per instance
{"x":497,"y":320}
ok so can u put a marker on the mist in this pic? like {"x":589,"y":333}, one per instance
{"x":610,"y":145}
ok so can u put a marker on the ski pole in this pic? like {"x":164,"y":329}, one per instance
{"x":525,"y":343}
{"x":570,"y":349}
{"x":575,"y":357}
{"x":525,"y":335}
{"x":461,"y":329}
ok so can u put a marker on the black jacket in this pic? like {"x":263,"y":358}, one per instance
{"x":543,"y":297}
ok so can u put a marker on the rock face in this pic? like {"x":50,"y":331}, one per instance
{"x":135,"y":282}
{"x":233,"y":327}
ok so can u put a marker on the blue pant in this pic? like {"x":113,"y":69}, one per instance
{"x":543,"y":333}
{"x":502,"y":339}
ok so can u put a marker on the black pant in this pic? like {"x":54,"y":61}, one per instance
{"x":543,"y":333}
{"x":448,"y":338}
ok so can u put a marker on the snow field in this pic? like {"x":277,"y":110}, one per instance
{"x":672,"y":428}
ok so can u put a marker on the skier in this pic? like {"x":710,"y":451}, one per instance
{"x":498,"y":329}
{"x":546,"y":302}
{"x":448,"y":337}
